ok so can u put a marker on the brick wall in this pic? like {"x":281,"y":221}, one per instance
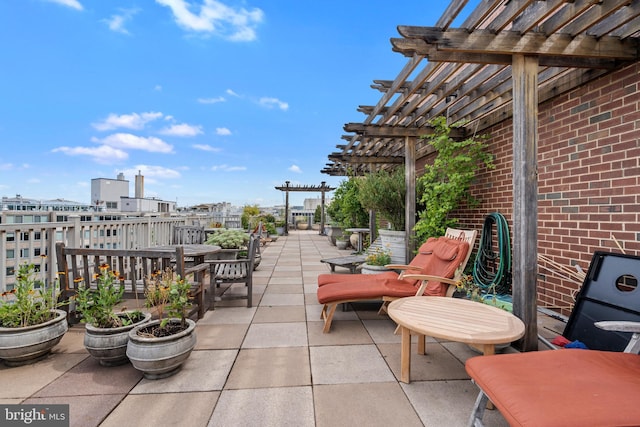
{"x":589,"y":178}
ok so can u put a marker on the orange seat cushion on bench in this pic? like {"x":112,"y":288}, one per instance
{"x":568,"y":387}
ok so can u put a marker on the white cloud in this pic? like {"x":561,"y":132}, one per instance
{"x":227,"y":168}
{"x":134,"y":142}
{"x":215,"y":17}
{"x":103,"y":154}
{"x":74,"y":4}
{"x":117,"y":22}
{"x":149,"y":171}
{"x":211,"y":100}
{"x":129,"y":121}
{"x":157,"y":88}
{"x":223,"y":131}
{"x":205,"y":147}
{"x":295,"y":168}
{"x":6,"y":166}
{"x":231,"y":92}
{"x":182,"y":129}
{"x":273,"y":102}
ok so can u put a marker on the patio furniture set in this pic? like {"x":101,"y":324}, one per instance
{"x":593,"y":387}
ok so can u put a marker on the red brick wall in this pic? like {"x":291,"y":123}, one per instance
{"x":588,"y":178}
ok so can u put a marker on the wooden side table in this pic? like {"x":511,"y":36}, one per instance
{"x":452,"y":319}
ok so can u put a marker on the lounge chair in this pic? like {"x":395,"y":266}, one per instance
{"x":595,"y":387}
{"x":431,"y":272}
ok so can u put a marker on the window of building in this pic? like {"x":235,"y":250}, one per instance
{"x":24,"y":253}
{"x":11,"y":253}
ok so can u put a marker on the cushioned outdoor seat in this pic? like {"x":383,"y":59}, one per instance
{"x":432,"y":273}
{"x":568,"y":387}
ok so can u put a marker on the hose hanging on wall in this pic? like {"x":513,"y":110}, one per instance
{"x":492,"y":267}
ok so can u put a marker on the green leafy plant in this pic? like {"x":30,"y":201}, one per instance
{"x":379,"y":256}
{"x":229,"y":239}
{"x":384,"y":192}
{"x":446,"y":182}
{"x":97,"y":305}
{"x":345,"y":208}
{"x":27,"y":304}
{"x":167,"y":294}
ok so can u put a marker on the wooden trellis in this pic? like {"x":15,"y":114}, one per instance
{"x":322,"y":188}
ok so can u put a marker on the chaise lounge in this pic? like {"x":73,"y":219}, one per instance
{"x":431,"y":272}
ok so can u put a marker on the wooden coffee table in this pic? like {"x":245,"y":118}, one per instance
{"x":453,"y":319}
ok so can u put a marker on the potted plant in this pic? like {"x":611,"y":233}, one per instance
{"x":231,"y":242}
{"x":376,"y":261}
{"x":280,"y":227}
{"x":159,"y":348}
{"x":106,"y":332}
{"x":384,"y":192}
{"x":342,"y":242}
{"x":31,"y":323}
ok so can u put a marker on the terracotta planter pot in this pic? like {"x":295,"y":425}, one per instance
{"x":19,"y":346}
{"x":109,"y":345}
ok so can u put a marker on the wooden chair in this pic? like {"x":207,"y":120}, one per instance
{"x":188,"y":235}
{"x":234,"y":271}
{"x":79,"y":266}
{"x":432,"y":272}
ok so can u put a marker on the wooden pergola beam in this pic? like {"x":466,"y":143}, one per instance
{"x":512,"y":42}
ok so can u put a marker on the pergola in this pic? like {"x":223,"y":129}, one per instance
{"x":506,"y":58}
{"x":322,"y":188}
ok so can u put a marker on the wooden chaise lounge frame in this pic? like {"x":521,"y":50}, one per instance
{"x":329,"y":309}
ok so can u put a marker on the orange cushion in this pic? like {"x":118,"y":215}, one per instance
{"x":567,"y":387}
{"x":324,"y":279}
{"x":375,"y":288}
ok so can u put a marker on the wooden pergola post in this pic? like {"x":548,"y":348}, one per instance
{"x":286,"y":209}
{"x":525,"y":195}
{"x":410,"y":195}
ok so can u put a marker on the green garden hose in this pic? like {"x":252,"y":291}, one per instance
{"x":492,"y":267}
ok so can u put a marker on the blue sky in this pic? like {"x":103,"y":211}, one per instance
{"x":211,"y":100}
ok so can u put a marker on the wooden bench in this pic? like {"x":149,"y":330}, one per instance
{"x":81,"y":265}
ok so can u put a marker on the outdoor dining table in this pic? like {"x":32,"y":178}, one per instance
{"x":361,"y":233}
{"x":198,"y":252}
{"x":455,"y":319}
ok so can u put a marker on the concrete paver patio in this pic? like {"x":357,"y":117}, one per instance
{"x":269,"y":365}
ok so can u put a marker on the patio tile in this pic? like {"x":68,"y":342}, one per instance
{"x":90,"y":378}
{"x":217,"y":337}
{"x":270,"y":367}
{"x":28,"y":379}
{"x":288,"y":406}
{"x":228,"y":315}
{"x":348,"y":364}
{"x":284,"y":289}
{"x":342,"y":333}
{"x":314,"y":310}
{"x":382,"y":331}
{"x":285,"y":313}
{"x":190,"y":378}
{"x":84,"y":411}
{"x":373,"y":404}
{"x":447,"y":403}
{"x":165,"y":409}
{"x":438,"y":364}
{"x":263,"y":335}
{"x":282,"y":299}
{"x":286,"y":280}
{"x":72,"y":341}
